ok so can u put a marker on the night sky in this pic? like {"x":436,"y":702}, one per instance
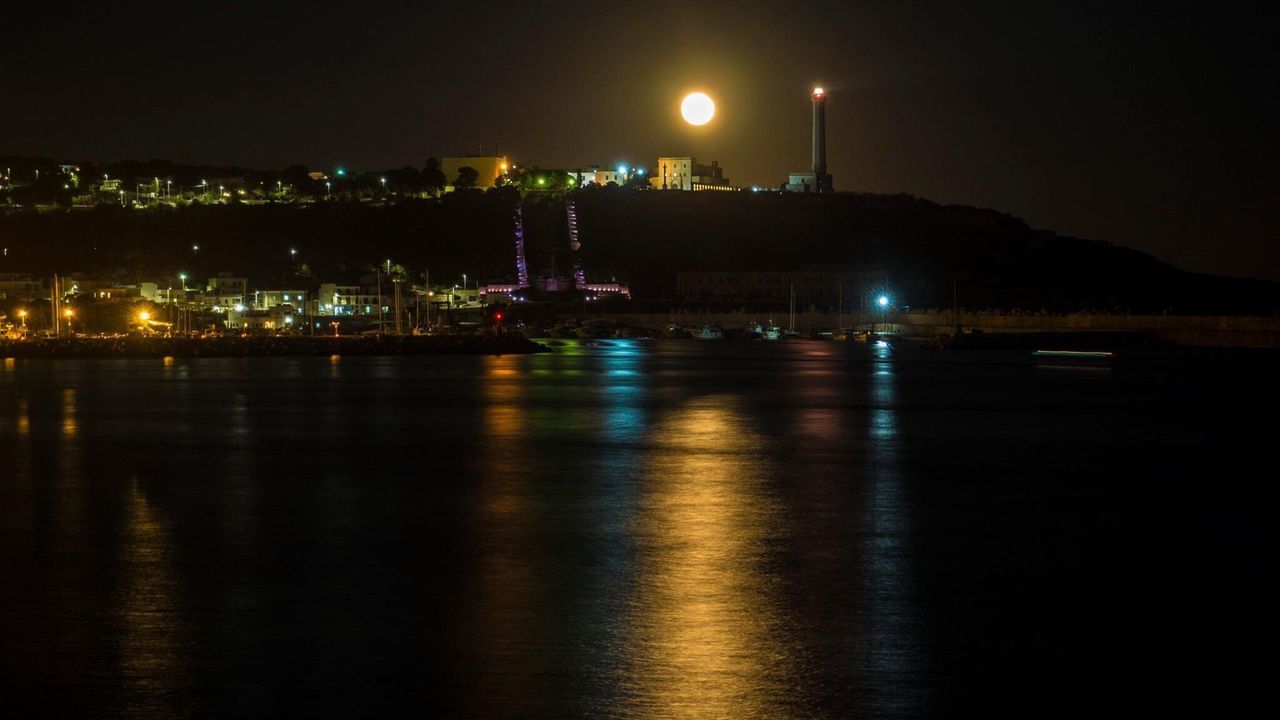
{"x":1148,"y":125}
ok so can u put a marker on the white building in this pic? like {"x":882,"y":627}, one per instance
{"x":686,"y":173}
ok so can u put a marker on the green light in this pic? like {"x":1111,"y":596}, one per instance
{"x":542,"y":181}
{"x":571,"y":182}
{"x":342,"y":172}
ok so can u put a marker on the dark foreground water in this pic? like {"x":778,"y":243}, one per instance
{"x":635,"y":529}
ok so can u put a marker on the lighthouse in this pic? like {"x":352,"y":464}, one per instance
{"x":816,"y":179}
{"x":823,"y":180}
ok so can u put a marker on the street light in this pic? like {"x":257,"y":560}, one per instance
{"x":68,"y":313}
{"x":22,"y":315}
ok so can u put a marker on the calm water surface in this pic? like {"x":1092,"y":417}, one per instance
{"x":641,"y":529}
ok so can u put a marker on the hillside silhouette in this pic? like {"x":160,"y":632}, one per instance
{"x":643,"y":238}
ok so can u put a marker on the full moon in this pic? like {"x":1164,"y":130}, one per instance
{"x":697,"y":109}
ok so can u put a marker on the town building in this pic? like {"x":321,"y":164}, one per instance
{"x":16,"y":286}
{"x":277,"y":319}
{"x":335,"y":299}
{"x":686,"y":173}
{"x":267,"y":299}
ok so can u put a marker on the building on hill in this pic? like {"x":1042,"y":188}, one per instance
{"x":686,"y":173}
{"x":488,"y":168}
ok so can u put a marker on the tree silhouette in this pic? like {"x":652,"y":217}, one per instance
{"x":433,"y":178}
{"x":467,"y":177}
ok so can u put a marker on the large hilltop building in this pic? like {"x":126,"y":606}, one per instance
{"x":488,"y":167}
{"x":686,"y":173}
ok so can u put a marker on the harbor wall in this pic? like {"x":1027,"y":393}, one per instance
{"x":1183,"y":330}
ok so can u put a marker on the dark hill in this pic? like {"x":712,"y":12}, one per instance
{"x":641,"y":237}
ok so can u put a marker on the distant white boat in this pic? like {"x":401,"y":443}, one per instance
{"x":710,"y":332}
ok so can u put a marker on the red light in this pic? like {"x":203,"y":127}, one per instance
{"x":498,"y":317}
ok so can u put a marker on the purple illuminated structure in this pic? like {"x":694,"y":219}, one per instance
{"x":579,"y":277}
{"x":522,"y":266}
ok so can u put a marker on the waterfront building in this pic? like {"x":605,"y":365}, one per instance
{"x":335,"y":299}
{"x":267,"y":299}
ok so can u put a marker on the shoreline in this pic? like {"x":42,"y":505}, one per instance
{"x":257,"y":346}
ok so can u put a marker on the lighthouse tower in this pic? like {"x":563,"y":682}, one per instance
{"x":821,"y":177}
{"x":816,"y":179}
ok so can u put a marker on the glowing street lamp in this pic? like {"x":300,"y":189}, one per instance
{"x":883,"y":301}
{"x":68,"y":313}
{"x":22,"y":315}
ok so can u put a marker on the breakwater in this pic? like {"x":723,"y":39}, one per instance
{"x":1222,"y":331}
{"x":89,"y":347}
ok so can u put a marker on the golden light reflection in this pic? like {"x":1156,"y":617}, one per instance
{"x":24,"y":418}
{"x":69,"y":426}
{"x":705,"y":624}
{"x":506,"y":622}
{"x":151,"y":646}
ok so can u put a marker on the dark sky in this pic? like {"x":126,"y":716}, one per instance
{"x":1151,"y":125}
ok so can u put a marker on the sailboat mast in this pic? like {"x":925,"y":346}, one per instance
{"x":792,"y":321}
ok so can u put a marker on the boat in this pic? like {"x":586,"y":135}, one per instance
{"x":710,"y":332}
{"x":772,"y":332}
{"x":1073,"y":358}
{"x":597,"y":328}
{"x":753,"y":331}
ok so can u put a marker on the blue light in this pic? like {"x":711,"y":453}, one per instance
{"x":884,"y":300}
{"x":622,"y":169}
